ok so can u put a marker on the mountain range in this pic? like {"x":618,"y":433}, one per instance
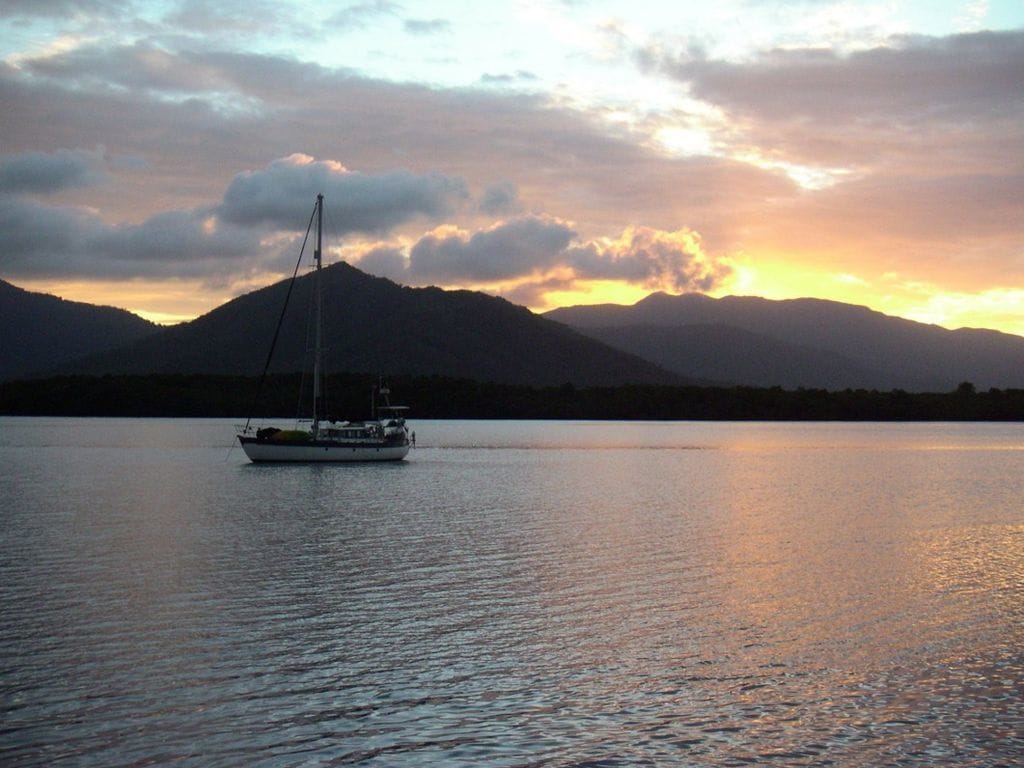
{"x":373,"y":325}
{"x":809,"y":343}
{"x":376,"y":326}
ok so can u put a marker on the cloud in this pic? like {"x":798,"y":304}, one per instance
{"x":537,"y":252}
{"x":531,"y":293}
{"x":651,"y":258}
{"x":177,"y":237}
{"x":282,"y":194}
{"x":257,"y":210}
{"x":640,"y":256}
{"x":905,"y":99}
{"x":385,"y":261}
{"x":141,"y":67}
{"x":49,"y":172}
{"x":913,"y":79}
{"x":426,"y":26}
{"x":506,"y":78}
{"x":61,"y":8}
{"x":359,"y":15}
{"x":560,"y":161}
{"x":38,"y":240}
{"x":913,"y":136}
{"x":508,"y":250}
{"x":229,"y":16}
{"x":500,"y":198}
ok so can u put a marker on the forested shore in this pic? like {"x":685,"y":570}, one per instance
{"x":348,"y":396}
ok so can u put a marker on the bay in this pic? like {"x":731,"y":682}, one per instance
{"x":515,"y":593}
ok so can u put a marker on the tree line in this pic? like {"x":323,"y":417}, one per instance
{"x":348,"y":396}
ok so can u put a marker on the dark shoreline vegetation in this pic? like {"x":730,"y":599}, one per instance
{"x":177,"y":395}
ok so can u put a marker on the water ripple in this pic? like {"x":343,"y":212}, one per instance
{"x":770,"y":606}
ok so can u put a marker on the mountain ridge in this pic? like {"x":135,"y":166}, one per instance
{"x":47,"y":320}
{"x":886,"y":352}
{"x":374,"y":325}
{"x":378,"y":326}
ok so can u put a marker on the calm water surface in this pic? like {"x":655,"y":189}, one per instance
{"x":514,"y":594}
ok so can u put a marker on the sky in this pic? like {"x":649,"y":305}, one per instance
{"x":164,"y":155}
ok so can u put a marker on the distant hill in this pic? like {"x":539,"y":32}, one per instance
{"x":808,"y":343}
{"x":725,"y":354}
{"x":374,"y":325}
{"x":40,"y":333}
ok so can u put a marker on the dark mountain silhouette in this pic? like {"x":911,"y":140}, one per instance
{"x":40,"y":333}
{"x":376,"y":326}
{"x":725,"y":354}
{"x":800,"y":343}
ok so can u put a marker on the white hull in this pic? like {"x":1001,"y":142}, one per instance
{"x":261,"y":450}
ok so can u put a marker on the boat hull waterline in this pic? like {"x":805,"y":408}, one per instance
{"x":317,"y":450}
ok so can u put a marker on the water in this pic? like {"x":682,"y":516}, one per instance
{"x":515,"y":594}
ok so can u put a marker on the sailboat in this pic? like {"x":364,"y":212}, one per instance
{"x":384,"y":437}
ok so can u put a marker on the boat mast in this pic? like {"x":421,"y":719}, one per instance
{"x":318,"y":344}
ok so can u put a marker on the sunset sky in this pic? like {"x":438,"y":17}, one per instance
{"x":164,"y":155}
